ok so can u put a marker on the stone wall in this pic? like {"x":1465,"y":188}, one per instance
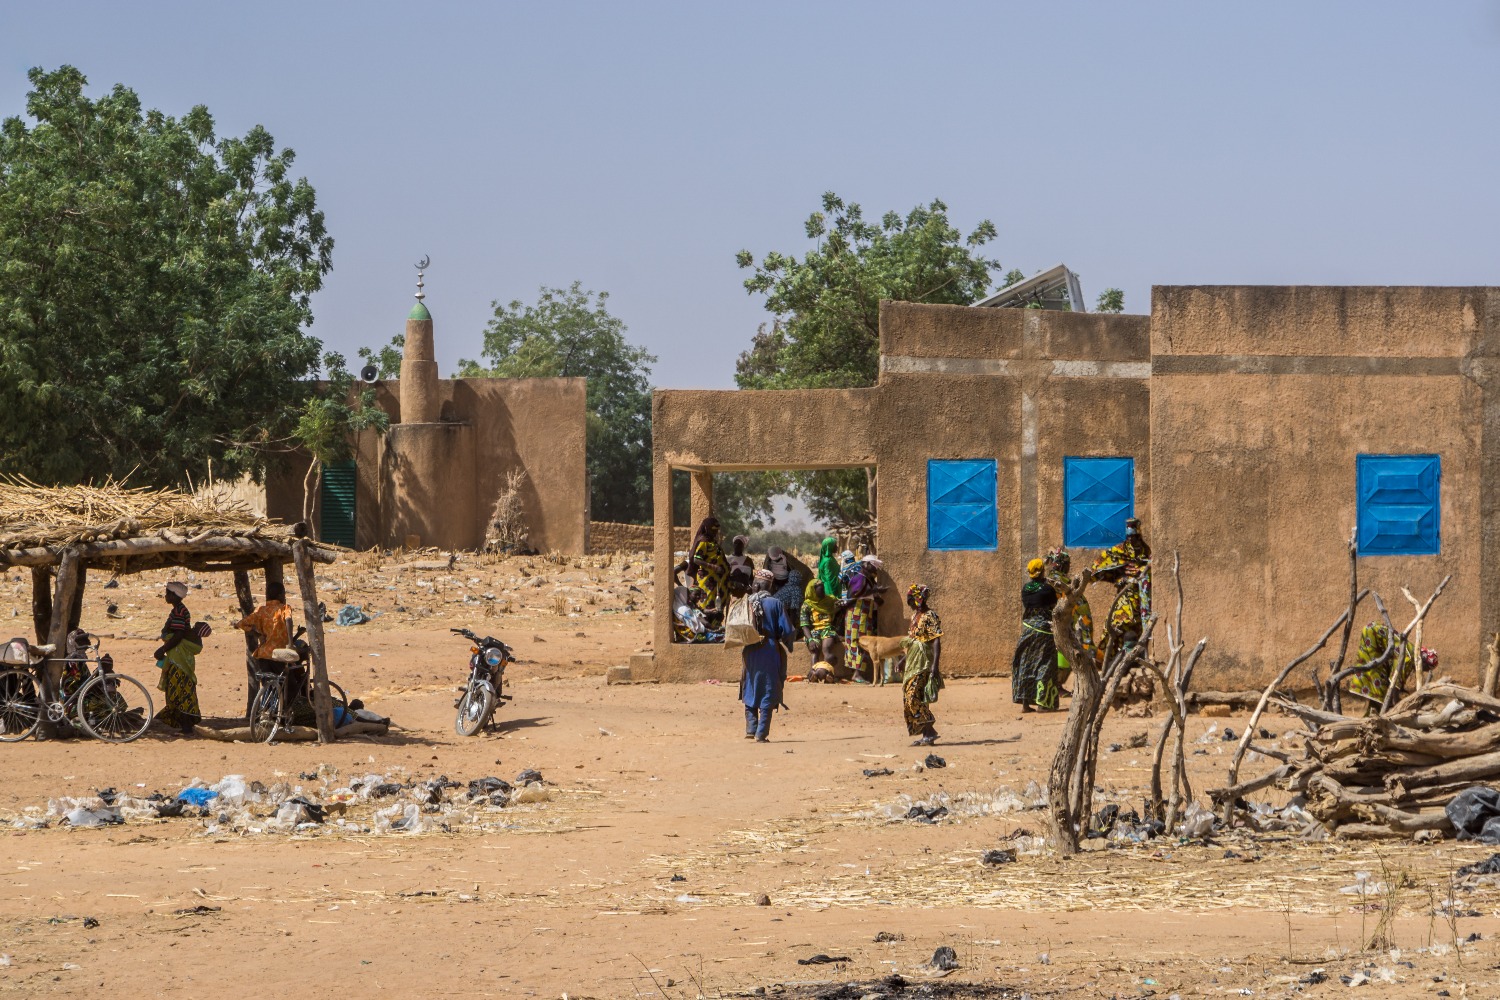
{"x":610,"y":536}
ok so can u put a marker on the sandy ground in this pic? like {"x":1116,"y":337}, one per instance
{"x":637,"y":872}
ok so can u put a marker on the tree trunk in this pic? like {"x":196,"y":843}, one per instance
{"x":57,"y":633}
{"x":247,"y":606}
{"x":308,"y":496}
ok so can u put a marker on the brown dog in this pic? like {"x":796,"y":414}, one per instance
{"x":882,"y":648}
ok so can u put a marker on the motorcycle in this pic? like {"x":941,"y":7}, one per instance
{"x":486,"y":686}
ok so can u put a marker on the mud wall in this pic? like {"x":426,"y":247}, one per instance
{"x":1261,"y":398}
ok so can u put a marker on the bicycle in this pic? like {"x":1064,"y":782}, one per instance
{"x":274,"y":707}
{"x":109,"y":706}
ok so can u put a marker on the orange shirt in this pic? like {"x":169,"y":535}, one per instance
{"x":273,"y":621}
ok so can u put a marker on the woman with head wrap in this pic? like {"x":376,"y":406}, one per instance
{"x":817,"y":620}
{"x":828,"y":567}
{"x":1033,"y":669}
{"x":864,"y":594}
{"x":736,"y":557}
{"x":708,"y":566}
{"x":1128,"y":567}
{"x":1384,"y":665}
{"x":920,"y":678}
{"x":177,"y":657}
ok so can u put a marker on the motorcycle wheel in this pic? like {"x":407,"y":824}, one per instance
{"x":474,"y":708}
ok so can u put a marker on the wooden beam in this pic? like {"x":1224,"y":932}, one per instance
{"x":125,"y":548}
{"x":41,"y":602}
{"x":322,"y":701}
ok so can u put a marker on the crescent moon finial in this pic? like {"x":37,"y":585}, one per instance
{"x":423,"y":264}
{"x":421,"y":267}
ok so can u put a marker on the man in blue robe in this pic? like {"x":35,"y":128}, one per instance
{"x":764,"y":677}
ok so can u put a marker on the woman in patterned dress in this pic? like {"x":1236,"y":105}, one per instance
{"x":177,"y":657}
{"x":920,"y":679}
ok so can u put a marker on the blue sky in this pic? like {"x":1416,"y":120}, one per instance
{"x":637,"y":146}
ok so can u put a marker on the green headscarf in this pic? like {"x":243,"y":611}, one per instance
{"x":828,"y":567}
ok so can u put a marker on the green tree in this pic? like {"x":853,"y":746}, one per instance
{"x":1111,"y":300}
{"x":330,"y":420}
{"x":386,"y":359}
{"x":155,"y":282}
{"x":826,"y":330}
{"x":569,"y":332}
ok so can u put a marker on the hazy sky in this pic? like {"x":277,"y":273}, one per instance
{"x":637,"y":146}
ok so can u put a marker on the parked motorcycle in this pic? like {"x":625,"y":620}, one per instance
{"x":486,"y":686}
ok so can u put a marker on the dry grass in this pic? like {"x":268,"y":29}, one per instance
{"x":36,"y":515}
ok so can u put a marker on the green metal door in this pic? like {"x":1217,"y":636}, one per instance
{"x":336,"y":523}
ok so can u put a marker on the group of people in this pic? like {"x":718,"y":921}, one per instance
{"x":829,"y":613}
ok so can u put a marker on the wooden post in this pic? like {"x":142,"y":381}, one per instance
{"x":57,"y":632}
{"x":247,"y":607}
{"x":274,"y":577}
{"x":75,"y":612}
{"x":322,"y":701}
{"x":41,"y":602}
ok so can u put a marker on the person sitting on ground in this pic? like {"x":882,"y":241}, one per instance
{"x":1384,"y":664}
{"x":689,"y":623}
{"x":271,"y":623}
{"x":763,"y":684}
{"x":818,"y":632}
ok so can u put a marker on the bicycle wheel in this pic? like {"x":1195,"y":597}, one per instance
{"x":265,"y":712}
{"x":114,"y":708}
{"x":20,"y":705}
{"x":474,"y":708}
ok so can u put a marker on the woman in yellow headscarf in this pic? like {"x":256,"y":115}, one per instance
{"x":1033,"y":669}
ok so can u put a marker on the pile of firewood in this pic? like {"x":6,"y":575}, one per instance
{"x":1392,"y":774}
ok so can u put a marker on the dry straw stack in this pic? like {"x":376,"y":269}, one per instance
{"x":34,"y":516}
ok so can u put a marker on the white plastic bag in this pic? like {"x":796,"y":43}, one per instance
{"x":739,"y":624}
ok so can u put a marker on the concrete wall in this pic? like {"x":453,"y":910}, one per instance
{"x":440,"y":484}
{"x":1260,"y":400}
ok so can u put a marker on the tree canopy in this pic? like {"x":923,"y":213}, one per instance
{"x":825,"y":331}
{"x":569,"y":332}
{"x":155,"y":282}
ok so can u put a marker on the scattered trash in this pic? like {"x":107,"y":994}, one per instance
{"x":679,"y":878}
{"x":689,"y":898}
{"x":944,"y":958}
{"x":351,"y":614}
{"x":1363,"y":886}
{"x":528,"y":776}
{"x":996,"y":857}
{"x":1197,"y":822}
{"x":822,"y":960}
{"x":934,"y":761}
{"x":90,"y":922}
{"x":885,"y":936}
{"x":194,"y":911}
{"x":1489,"y":866}
{"x":107,"y":796}
{"x":88,"y":818}
{"x":926,"y":814}
{"x":763,"y":900}
{"x":196,"y":796}
{"x":1314,"y":977}
{"x":1475,"y":814}
{"x":1228,"y":736}
{"x":877,"y":772}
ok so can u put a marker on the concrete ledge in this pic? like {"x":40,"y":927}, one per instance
{"x":617,"y":675}
{"x":688,"y":663}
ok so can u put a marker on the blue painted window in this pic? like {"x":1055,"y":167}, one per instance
{"x":961,"y":504}
{"x":1098,"y":496}
{"x":1398,"y":504}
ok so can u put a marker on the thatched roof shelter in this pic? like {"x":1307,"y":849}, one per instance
{"x":61,"y":532}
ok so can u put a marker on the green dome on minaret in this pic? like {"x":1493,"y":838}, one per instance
{"x":419,"y":312}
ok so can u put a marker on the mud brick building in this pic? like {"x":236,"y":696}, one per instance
{"x":1250,"y":428}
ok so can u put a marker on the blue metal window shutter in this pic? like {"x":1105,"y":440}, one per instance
{"x":961,"y":499}
{"x":1399,"y":504}
{"x":1098,"y":497}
